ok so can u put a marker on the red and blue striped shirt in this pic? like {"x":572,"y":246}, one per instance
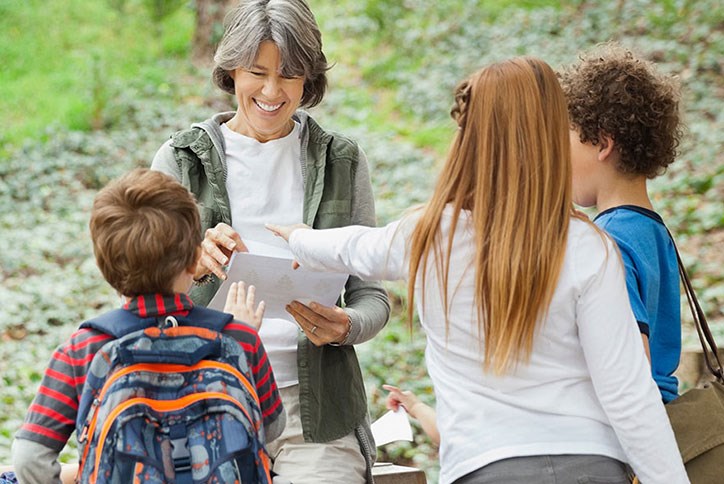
{"x":51,"y":417}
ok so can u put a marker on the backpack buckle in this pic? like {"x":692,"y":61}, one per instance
{"x":180,"y":454}
{"x":84,"y":434}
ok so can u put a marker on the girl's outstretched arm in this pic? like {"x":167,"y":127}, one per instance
{"x":370,"y":253}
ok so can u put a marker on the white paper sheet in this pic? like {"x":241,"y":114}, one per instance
{"x":277,"y":284}
{"x":392,"y":426}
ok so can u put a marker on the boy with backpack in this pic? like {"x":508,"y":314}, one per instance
{"x":625,"y":131}
{"x":160,"y":389}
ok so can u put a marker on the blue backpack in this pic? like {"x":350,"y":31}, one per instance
{"x":173,"y":402}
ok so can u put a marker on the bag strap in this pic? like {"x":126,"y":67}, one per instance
{"x":203,"y":317}
{"x":711,"y":355}
{"x":120,"y":322}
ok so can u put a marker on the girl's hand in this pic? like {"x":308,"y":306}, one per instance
{"x":417,"y":409}
{"x":398,"y":397}
{"x":285,"y":231}
{"x":240,"y":303}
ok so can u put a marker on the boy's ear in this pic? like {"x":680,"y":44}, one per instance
{"x":195,"y":263}
{"x":606,"y":147}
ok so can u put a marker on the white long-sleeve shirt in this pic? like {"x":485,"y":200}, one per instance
{"x":587,"y":388}
{"x":264,"y":182}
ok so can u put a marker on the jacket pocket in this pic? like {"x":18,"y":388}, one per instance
{"x":334,"y":206}
{"x":333,"y":213}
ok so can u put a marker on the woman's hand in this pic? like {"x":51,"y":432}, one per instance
{"x":322,"y":324}
{"x":285,"y":231}
{"x":240,"y":303}
{"x":216,"y":249}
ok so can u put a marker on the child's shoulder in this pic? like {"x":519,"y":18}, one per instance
{"x":630,"y":222}
{"x":628,"y":214}
{"x":76,"y":353}
{"x":588,"y":246}
{"x":582,"y":229}
{"x":243,"y":333}
{"x":87,"y":340}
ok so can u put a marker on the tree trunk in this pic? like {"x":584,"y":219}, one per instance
{"x":209,"y":29}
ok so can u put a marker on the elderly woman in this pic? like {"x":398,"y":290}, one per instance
{"x":269,"y":161}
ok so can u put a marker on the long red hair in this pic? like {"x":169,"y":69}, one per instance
{"x":509,"y":165}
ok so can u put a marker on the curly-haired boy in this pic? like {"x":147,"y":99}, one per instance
{"x":626,"y":130}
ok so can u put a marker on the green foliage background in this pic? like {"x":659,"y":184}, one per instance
{"x":91,"y":89}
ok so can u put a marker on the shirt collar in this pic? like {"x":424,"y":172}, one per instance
{"x":633,"y":208}
{"x":152,"y":305}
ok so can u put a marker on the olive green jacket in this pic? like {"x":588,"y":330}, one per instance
{"x":337,"y":192}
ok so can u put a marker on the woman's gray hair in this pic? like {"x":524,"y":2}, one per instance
{"x":290,"y":24}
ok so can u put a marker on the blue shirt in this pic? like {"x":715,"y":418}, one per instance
{"x":652,"y":279}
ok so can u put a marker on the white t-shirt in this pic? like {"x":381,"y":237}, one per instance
{"x":264,"y":182}
{"x":587,"y":388}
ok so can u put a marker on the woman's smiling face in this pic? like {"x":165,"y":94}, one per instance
{"x":267,"y":100}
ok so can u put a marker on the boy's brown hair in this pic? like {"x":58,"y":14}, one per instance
{"x":612,"y":92}
{"x":145,"y":229}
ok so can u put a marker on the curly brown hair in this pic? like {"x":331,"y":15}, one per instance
{"x":612,"y":92}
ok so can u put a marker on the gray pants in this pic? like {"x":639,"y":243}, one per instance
{"x":551,"y":469}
